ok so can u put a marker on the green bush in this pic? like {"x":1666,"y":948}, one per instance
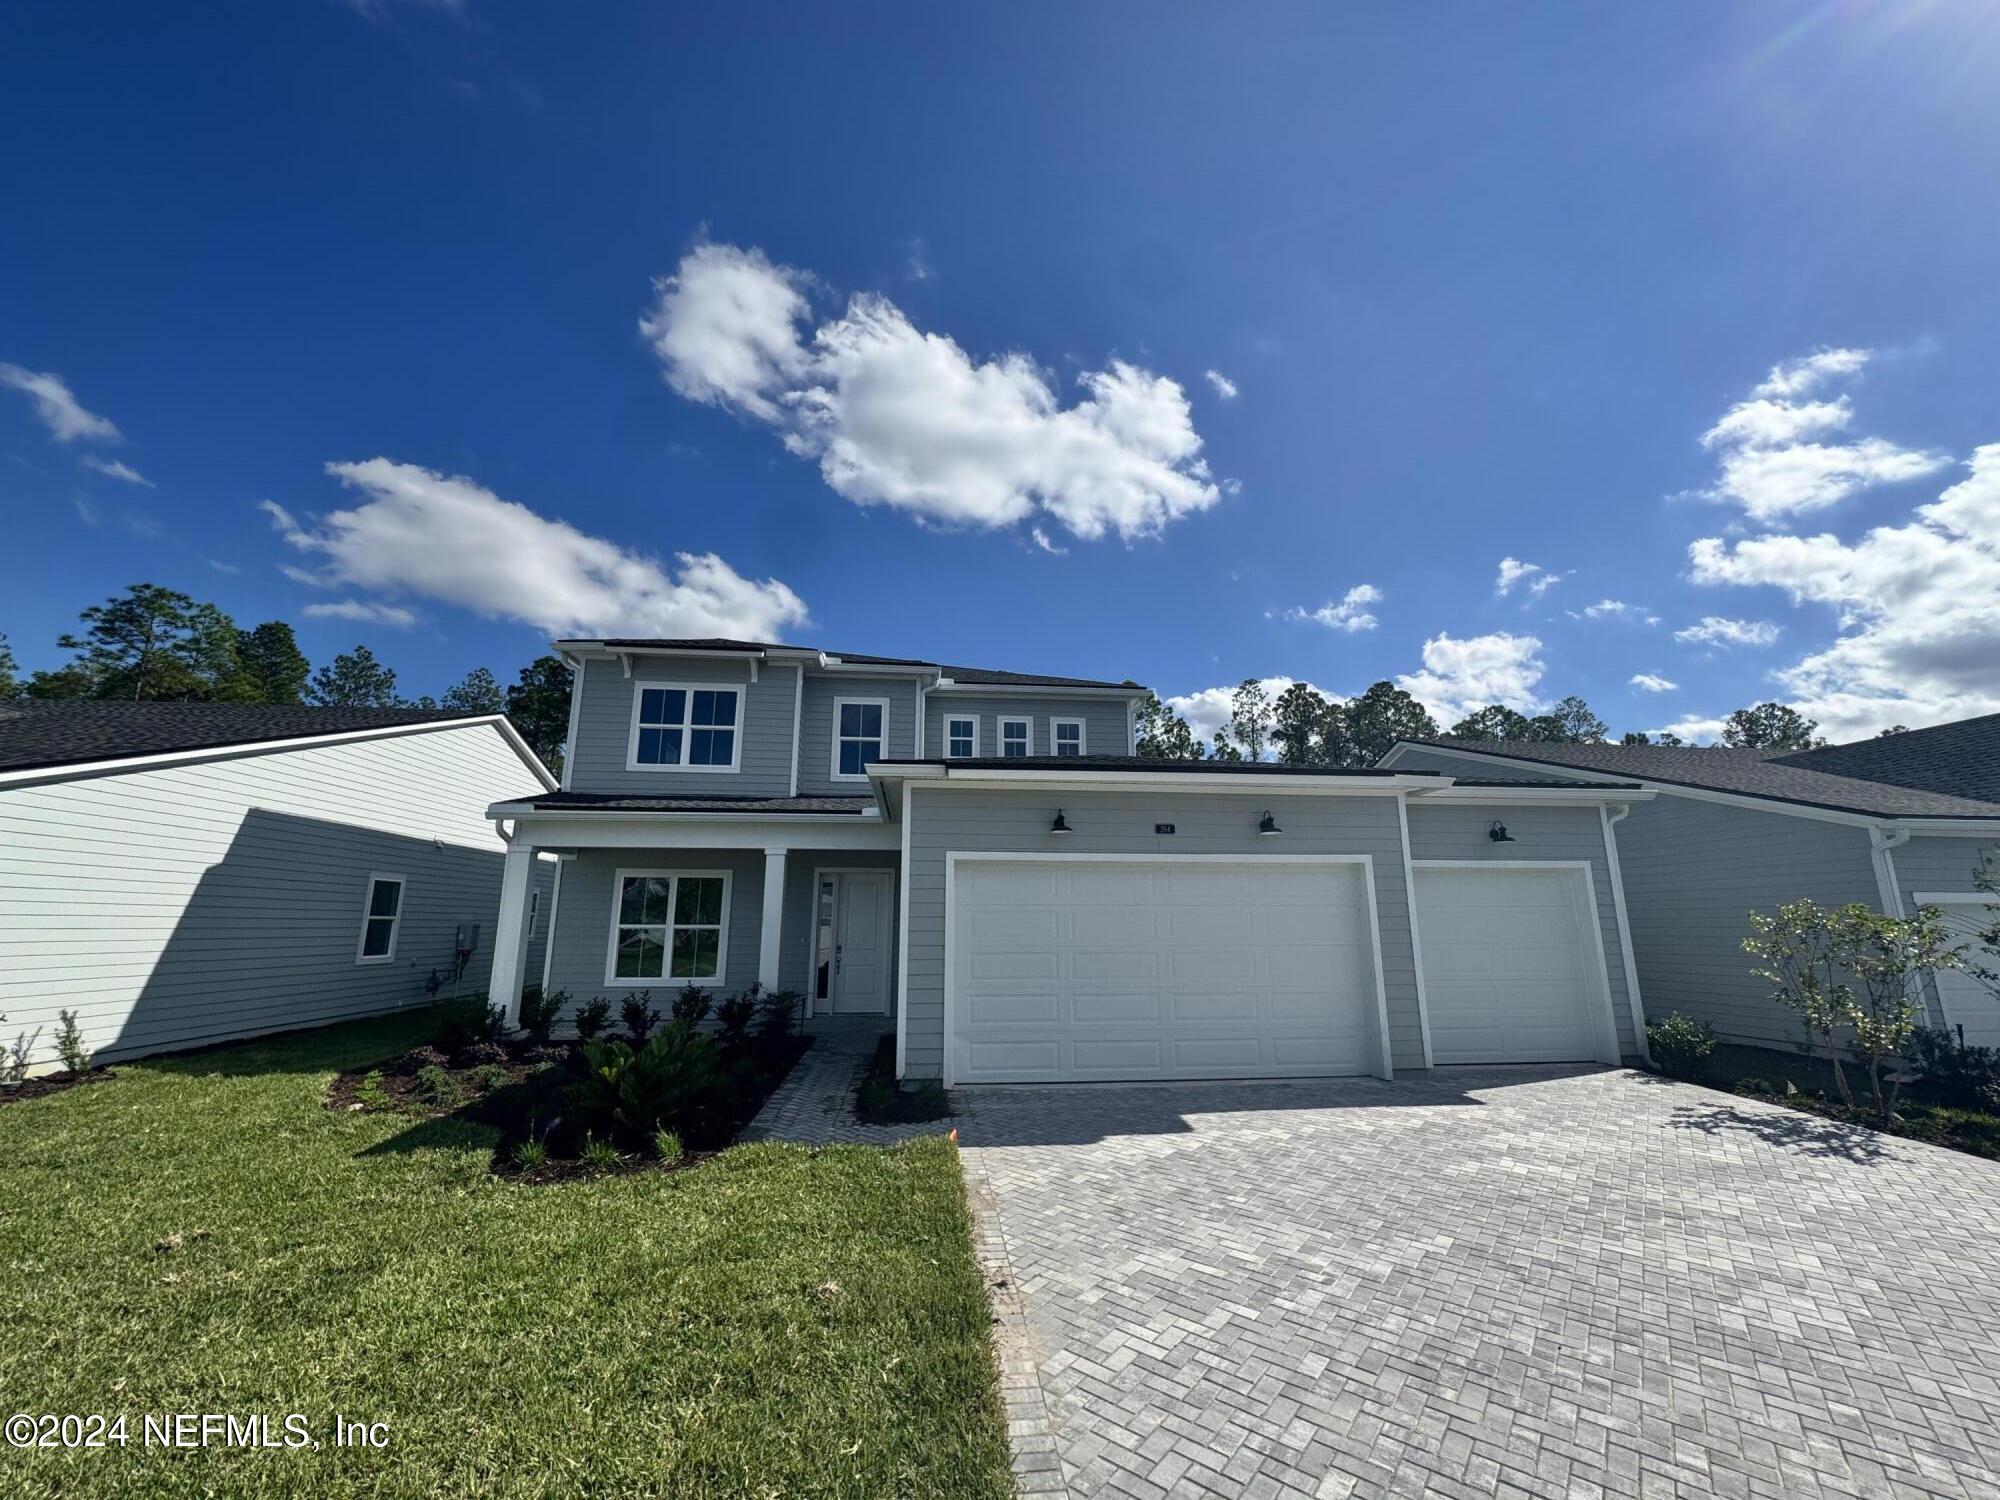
{"x":671,"y":1083}
{"x":1679,"y":1044}
{"x":436,"y":1087}
{"x":599,"y":1155}
{"x":734,"y":1016}
{"x":1754,"y":1085}
{"x":692,"y":1005}
{"x":667,"y":1146}
{"x":1954,"y":1075}
{"x":370,"y":1094}
{"x":778,"y":1014}
{"x":590,"y":1020}
{"x":530,"y":1156}
{"x":489,"y":1076}
{"x":70,"y":1045}
{"x":639,"y":1016}
{"x":468,"y":1019}
{"x":540,"y":1010}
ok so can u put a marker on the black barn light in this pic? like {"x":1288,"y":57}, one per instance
{"x":1267,"y":826}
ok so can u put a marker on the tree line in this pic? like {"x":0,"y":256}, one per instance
{"x":158,"y":645}
{"x":1303,"y":727}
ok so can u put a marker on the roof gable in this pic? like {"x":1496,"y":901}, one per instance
{"x":1959,"y":760}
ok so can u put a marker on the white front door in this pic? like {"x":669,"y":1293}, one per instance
{"x":854,"y":942}
{"x":1513,"y":971}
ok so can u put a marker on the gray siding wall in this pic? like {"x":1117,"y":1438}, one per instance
{"x":1943,"y":866}
{"x":190,"y":904}
{"x":1122,"y":823}
{"x":604,"y":729}
{"x":1107,"y":726}
{"x":816,"y":742}
{"x":1459,"y":831}
{"x":582,"y":937}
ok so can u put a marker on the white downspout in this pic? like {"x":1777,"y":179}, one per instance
{"x":1881,"y":839}
{"x":1612,"y":817}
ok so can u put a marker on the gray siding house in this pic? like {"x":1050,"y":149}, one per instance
{"x":978,"y":858}
{"x":1892,"y":823}
{"x":179,"y":874}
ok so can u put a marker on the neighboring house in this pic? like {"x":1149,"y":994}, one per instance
{"x":182,"y":873}
{"x":979,"y":855}
{"x":1893,"y":822}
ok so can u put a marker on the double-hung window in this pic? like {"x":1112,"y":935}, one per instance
{"x":685,"y":728}
{"x":381,"y":917}
{"x":860,"y":734}
{"x":1014,"y":738}
{"x":668,"y":926}
{"x":961,"y":737}
{"x":1066,"y":736}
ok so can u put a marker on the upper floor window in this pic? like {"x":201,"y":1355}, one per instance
{"x":689,"y":728}
{"x":860,"y":734}
{"x":381,"y":916}
{"x":961,"y":737}
{"x":1014,"y":735}
{"x":1066,"y":736}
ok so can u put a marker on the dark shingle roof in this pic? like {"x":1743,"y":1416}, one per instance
{"x":1959,"y":760}
{"x":978,"y":676}
{"x":1750,"y":773}
{"x":616,"y":802}
{"x":36,"y":734}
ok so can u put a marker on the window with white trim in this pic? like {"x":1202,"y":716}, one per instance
{"x":679,"y":726}
{"x":1065,"y":736}
{"x":668,"y":926}
{"x":961,"y":737}
{"x":381,"y":918}
{"x":1014,"y":737}
{"x":860,"y":734}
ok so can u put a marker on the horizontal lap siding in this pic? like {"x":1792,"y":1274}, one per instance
{"x":816,"y":732}
{"x":1107,"y":725}
{"x":1461,"y":831}
{"x":582,"y":939}
{"x":604,"y":729}
{"x":1940,"y":866}
{"x":1122,"y":823}
{"x":189,"y":904}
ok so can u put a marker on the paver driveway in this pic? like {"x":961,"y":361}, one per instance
{"x":1541,"y":1281}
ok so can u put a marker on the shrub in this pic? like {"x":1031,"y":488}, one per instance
{"x":692,"y":1005}
{"x":418,"y":1058}
{"x":370,"y":1094}
{"x":1679,"y":1044}
{"x":667,"y":1146}
{"x":436,"y":1087}
{"x":1955,"y":1075}
{"x":70,"y":1045}
{"x":928,"y":1098}
{"x":590,"y":1020}
{"x":14,"y":1060}
{"x":466,"y":1020}
{"x":876,"y":1098}
{"x":480,"y":1055}
{"x":1754,"y":1085}
{"x":672,"y":1083}
{"x":639,"y":1016}
{"x":531,"y":1156}
{"x":540,"y":1010}
{"x":778,"y":1013}
{"x":734,"y":1016}
{"x":490,"y":1076}
{"x":598,"y":1155}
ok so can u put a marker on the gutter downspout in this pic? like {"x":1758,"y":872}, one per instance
{"x":1882,"y":838}
{"x":1612,"y":817}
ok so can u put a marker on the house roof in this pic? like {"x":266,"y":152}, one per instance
{"x":36,"y":734}
{"x":976,"y":676}
{"x":1748,"y":773}
{"x":1960,"y":760}
{"x":618,"y":803}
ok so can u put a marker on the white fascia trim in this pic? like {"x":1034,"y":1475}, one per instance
{"x":1558,"y":794}
{"x":636,"y":831}
{"x":1239,"y":785}
{"x":1957,"y":898}
{"x":575,"y":713}
{"x":1024,"y":690}
{"x":82,"y":769}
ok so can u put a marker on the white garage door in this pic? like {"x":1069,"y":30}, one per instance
{"x":1511,"y":966}
{"x":1115,"y":969}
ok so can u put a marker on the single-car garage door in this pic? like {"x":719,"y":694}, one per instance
{"x":1113,"y":968}
{"x":1513,"y":966}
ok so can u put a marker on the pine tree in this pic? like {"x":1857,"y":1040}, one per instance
{"x":354,"y":679}
{"x":538,"y":708}
{"x":478,"y":693}
{"x":271,"y":659}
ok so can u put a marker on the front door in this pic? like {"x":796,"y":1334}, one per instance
{"x":854,"y":940}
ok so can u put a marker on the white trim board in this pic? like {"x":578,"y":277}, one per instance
{"x":955,"y":857}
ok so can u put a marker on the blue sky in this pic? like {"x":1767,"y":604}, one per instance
{"x":1181,"y":343}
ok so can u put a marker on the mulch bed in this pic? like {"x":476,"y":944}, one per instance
{"x":44,"y":1084}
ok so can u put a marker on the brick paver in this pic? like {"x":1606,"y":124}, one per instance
{"x":1525,"y":1282}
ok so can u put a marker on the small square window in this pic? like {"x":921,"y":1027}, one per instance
{"x":1066,"y":736}
{"x":961,"y":738}
{"x":1014,"y":738}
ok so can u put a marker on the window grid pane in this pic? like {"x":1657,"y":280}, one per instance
{"x":375,"y":942}
{"x":1013,"y":738}
{"x":384,"y":898}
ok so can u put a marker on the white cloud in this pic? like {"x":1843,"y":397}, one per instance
{"x":58,"y":408}
{"x":1351,"y":614}
{"x":1606,"y":608}
{"x":1771,"y":467}
{"x":1221,"y":383}
{"x":898,"y":417}
{"x":1694,"y":729}
{"x":1533,"y":577}
{"x":1462,"y":676}
{"x":1918,"y":605}
{"x":919,"y":267}
{"x":1207,"y":709}
{"x":118,"y":470}
{"x":419,"y":534}
{"x":1714,"y":630}
{"x":1650,"y":683}
{"x":363,"y":612}
{"x":1041,"y":540}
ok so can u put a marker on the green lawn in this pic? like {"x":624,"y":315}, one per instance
{"x":202,"y":1236}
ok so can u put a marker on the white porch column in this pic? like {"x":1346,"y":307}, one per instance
{"x":772,"y":932}
{"x":510,"y":939}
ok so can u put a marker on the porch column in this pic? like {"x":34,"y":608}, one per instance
{"x":771,"y":933}
{"x":510,"y":938}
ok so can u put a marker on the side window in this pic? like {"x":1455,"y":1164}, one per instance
{"x":961,"y":737}
{"x":381,"y":917}
{"x":1066,"y":736}
{"x":860,"y":734}
{"x":534,"y":915}
{"x":686,"y":727}
{"x":1014,"y":738}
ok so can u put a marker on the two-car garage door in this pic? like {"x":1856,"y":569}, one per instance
{"x":1140,"y":968}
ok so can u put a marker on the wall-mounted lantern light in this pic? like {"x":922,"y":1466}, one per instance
{"x":1061,"y":824}
{"x":1499,"y":834}
{"x":1267,"y":826}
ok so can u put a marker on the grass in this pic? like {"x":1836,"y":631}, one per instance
{"x":202,"y":1235}
{"x":1732,"y":1064}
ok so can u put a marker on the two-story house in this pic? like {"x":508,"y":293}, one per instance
{"x":979,"y":858}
